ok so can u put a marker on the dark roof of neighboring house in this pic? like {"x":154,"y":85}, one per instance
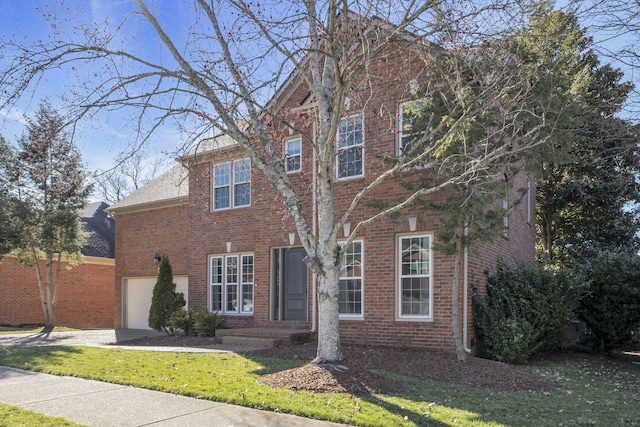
{"x":172,"y":187}
{"x":101,"y":229}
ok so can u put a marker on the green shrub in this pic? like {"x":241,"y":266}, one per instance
{"x":525,"y":311}
{"x":182,"y":321}
{"x":206,"y":324}
{"x":165,"y":299}
{"x":610,"y":304}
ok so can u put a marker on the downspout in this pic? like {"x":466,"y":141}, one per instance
{"x":465,"y":281}
{"x":314,"y":205}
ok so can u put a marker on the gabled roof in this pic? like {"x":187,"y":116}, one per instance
{"x":101,"y":238}
{"x":169,"y":189}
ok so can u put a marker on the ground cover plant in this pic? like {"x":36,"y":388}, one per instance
{"x":12,"y":416}
{"x":572,"y":390}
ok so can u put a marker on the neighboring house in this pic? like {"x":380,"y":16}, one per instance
{"x":86,"y":298}
{"x":235,"y":251}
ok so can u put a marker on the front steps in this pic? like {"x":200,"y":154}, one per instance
{"x":264,"y":337}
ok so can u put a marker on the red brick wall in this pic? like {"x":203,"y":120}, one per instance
{"x":85,"y":300}
{"x":266,"y":225}
{"x":139,"y":236}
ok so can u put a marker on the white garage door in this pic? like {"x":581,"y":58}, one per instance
{"x":136,"y":299}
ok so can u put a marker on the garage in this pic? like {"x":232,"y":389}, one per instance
{"x":136,"y":299}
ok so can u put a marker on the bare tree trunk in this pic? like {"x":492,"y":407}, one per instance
{"x":328,"y":318}
{"x":458,"y":271}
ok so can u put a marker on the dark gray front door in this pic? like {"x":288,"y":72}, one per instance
{"x":295,"y":284}
{"x":290,"y":284}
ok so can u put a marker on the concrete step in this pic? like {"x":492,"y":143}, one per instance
{"x":259,"y":342}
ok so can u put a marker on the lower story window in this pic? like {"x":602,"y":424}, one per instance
{"x":414,"y":281}
{"x":350,"y":299}
{"x":231,"y":284}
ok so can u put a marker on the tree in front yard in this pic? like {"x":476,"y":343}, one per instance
{"x":47,"y":183}
{"x":224,"y":70}
{"x":165,"y":300}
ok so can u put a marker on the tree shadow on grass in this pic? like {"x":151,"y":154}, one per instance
{"x":32,"y":358}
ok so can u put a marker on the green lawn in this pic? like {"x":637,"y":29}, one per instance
{"x":11,"y":416}
{"x":592,"y":391}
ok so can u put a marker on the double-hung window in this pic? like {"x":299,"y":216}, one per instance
{"x":293,"y":155}
{"x":232,"y":184}
{"x":350,"y":147}
{"x":414,"y":277}
{"x":351,"y":274}
{"x":412,"y":125}
{"x":231,"y":284}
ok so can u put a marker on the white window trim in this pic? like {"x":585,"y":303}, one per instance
{"x":286,"y":150}
{"x":232,"y":186}
{"x":361,"y":175}
{"x":224,"y":299}
{"x":399,"y":276}
{"x":504,"y":204}
{"x":401,"y":105}
{"x":528,"y":203}
{"x":350,"y":316}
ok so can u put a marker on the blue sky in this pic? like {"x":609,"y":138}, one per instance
{"x":103,"y":137}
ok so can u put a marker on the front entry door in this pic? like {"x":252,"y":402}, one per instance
{"x":290,"y":285}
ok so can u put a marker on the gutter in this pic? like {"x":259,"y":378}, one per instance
{"x":465,"y":289}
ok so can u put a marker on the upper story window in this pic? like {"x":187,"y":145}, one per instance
{"x":293,"y":155}
{"x":412,"y":125}
{"x":504,"y":204}
{"x":350,"y":147}
{"x":232,"y":184}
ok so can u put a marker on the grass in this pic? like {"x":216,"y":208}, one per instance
{"x":592,"y":391}
{"x":12,"y":416}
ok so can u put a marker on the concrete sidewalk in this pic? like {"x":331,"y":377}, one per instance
{"x":96,"y":403}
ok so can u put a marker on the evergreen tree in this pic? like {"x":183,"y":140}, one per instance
{"x":45,"y":184}
{"x":587,"y":190}
{"x":165,"y":300}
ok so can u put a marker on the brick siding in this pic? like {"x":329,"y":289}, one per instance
{"x":190,"y":235}
{"x":85,"y":300}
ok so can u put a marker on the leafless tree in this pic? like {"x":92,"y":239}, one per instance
{"x":127,"y":176}
{"x":224,"y":71}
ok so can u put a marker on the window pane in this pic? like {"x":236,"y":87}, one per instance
{"x":216,"y":270}
{"x":232,"y":297}
{"x":350,"y":298}
{"x":242,"y":171}
{"x":350,"y":140}
{"x":221,"y":198}
{"x":247,"y":269}
{"x":350,"y":162}
{"x":232,"y":269}
{"x":415,"y":296}
{"x":414,"y":122}
{"x":414,"y":276}
{"x":216,"y":298}
{"x":293,"y":155}
{"x":242,"y":195}
{"x":222,"y":174}
{"x":415,"y":256}
{"x":247,"y":298}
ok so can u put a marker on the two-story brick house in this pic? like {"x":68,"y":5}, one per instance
{"x":235,"y":249}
